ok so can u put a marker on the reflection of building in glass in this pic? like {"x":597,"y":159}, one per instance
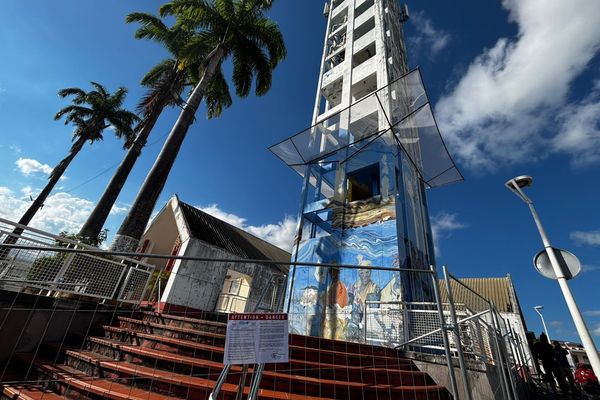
{"x":372,"y":151}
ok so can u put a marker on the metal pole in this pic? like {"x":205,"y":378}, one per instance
{"x":219,"y":384}
{"x":499,"y":346}
{"x":255,"y":384}
{"x":456,"y":328}
{"x":158,"y":302}
{"x":443,"y":326}
{"x":242,"y":385}
{"x":543,"y":323}
{"x":506,"y":356}
{"x":582,"y":329}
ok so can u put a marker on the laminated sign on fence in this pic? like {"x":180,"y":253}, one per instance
{"x":257,"y":338}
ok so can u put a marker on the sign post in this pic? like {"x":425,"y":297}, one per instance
{"x":256,"y":339}
{"x":253,"y":339}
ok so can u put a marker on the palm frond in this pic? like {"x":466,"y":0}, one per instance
{"x":100,"y":106}
{"x":73,"y":112}
{"x":118,"y":97}
{"x":77,"y":92}
{"x":266,"y":33}
{"x":100,"y":89}
{"x":159,"y":72}
{"x":217,"y":96}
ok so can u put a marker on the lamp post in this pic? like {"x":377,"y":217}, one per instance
{"x":538,"y":310}
{"x":516,"y":186}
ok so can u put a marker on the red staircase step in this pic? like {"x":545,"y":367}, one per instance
{"x":302,"y":341}
{"x":29,"y":392}
{"x":193,"y":387}
{"x":377,"y":371}
{"x":193,"y":321}
{"x":214,"y":353}
{"x":281,"y":373}
{"x":69,"y":378}
{"x":299,"y":352}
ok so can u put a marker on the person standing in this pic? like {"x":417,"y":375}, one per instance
{"x":564,"y":369}
{"x":545,"y":353}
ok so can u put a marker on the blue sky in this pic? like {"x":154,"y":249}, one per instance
{"x":515,"y":85}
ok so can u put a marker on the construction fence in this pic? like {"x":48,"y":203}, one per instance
{"x":458,"y":337}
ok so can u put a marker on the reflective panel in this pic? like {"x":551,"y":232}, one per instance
{"x":403,"y":107}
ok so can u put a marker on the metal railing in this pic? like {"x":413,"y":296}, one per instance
{"x":28,"y":262}
{"x":469,"y":334}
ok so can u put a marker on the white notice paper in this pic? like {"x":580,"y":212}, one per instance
{"x":256,"y":338}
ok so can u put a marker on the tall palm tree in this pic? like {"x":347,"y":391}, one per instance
{"x":232,"y":28}
{"x":90,"y":113}
{"x":165,"y":82}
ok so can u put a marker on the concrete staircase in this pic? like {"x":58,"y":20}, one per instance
{"x":154,"y":356}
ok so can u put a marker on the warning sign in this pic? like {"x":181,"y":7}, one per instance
{"x":256,"y":338}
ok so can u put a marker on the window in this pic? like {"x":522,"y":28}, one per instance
{"x":234,"y":288}
{"x":363,"y":183}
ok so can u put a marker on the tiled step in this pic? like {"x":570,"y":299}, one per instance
{"x":217,"y":339}
{"x":195,"y":385}
{"x":73,"y":383}
{"x":297,"y":352}
{"x":374,"y":372}
{"x":158,"y":356}
{"x":303,"y":341}
{"x":29,"y":392}
{"x":185,"y":322}
{"x":336,"y":378}
{"x":191,"y":387}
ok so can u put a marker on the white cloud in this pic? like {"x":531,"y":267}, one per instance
{"x":442,"y":226}
{"x":506,"y":107}
{"x":556,"y":324}
{"x":120,"y":209}
{"x":61,"y":211}
{"x":15,"y":148}
{"x":27,"y":191}
{"x":590,"y":238}
{"x":427,"y":36}
{"x":29,"y":166}
{"x":580,"y":129}
{"x":280,"y":234}
{"x":596,"y":330}
{"x":592,"y":313}
{"x":589,"y":268}
{"x":232,"y":219}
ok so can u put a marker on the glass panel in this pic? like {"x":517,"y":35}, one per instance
{"x":403,"y":105}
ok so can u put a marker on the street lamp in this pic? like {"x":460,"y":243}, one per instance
{"x":516,"y":185}
{"x":539,"y":309}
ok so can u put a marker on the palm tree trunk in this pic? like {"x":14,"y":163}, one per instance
{"x":38,"y":203}
{"x":93,"y":225}
{"x":135,"y":222}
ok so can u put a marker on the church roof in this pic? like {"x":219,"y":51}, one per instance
{"x":219,"y":233}
{"x":500,"y":291}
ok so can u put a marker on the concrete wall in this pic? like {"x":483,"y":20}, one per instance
{"x":515,"y":322}
{"x":197,"y":284}
{"x":27,"y":319}
{"x":485,"y":382}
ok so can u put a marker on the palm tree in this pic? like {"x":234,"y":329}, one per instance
{"x":90,"y":113}
{"x":231,"y":28}
{"x":165,"y":82}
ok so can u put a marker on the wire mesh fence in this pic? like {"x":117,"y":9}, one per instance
{"x":86,"y":322}
{"x":26,"y":262}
